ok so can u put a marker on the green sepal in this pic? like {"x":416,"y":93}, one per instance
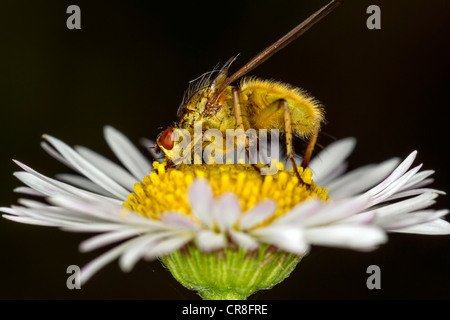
{"x":232,"y":273}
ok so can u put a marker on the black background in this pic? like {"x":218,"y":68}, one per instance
{"x":128,"y":67}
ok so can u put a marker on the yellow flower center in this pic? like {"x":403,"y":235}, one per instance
{"x":166,"y":190}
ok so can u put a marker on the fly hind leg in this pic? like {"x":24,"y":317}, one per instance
{"x":310,"y":148}
{"x":289,"y":146}
{"x":282,"y":104}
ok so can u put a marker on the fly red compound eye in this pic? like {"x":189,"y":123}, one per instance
{"x":166,"y":139}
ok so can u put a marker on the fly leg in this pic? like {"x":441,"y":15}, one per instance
{"x":169,"y":164}
{"x":310,"y":148}
{"x":282,"y":104}
{"x":240,"y":124}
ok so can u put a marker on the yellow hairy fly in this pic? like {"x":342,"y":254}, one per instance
{"x":253,"y":103}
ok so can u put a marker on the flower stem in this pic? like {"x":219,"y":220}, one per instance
{"x":221,"y":295}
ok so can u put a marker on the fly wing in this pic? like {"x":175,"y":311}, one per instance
{"x":212,"y":80}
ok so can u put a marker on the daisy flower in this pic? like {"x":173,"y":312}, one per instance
{"x":225,"y":230}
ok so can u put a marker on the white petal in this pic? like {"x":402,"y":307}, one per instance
{"x":201,"y":199}
{"x":167,"y":246}
{"x":52,"y":187}
{"x":298,"y":214}
{"x":56,"y":155}
{"x":111,"y":169}
{"x":127,"y":153}
{"x":359,"y":180}
{"x":226,"y":211}
{"x":15,"y":214}
{"x":108,"y":238}
{"x":208,"y":240}
{"x":286,"y":238}
{"x":88,"y":169}
{"x":96,"y":227}
{"x":9,"y":211}
{"x":404,"y":220}
{"x":179,"y":220}
{"x":29,"y":191}
{"x":346,"y":236}
{"x":331,"y":157}
{"x":413,"y":192}
{"x":409,"y":205}
{"x":244,"y":240}
{"x":83,"y":183}
{"x":43,"y":210}
{"x":132,"y":255}
{"x":360,"y":218}
{"x":258,"y":214}
{"x":56,"y":216}
{"x":333,"y":175}
{"x":417,"y":179}
{"x":107,"y":211}
{"x":38,"y":184}
{"x":33,"y":204}
{"x":396,"y":174}
{"x":31,"y":221}
{"x":419,"y":184}
{"x":95,"y":211}
{"x":435,"y":227}
{"x":335,"y":211}
{"x":92,"y":267}
{"x":393,"y":187}
{"x":156,"y":242}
